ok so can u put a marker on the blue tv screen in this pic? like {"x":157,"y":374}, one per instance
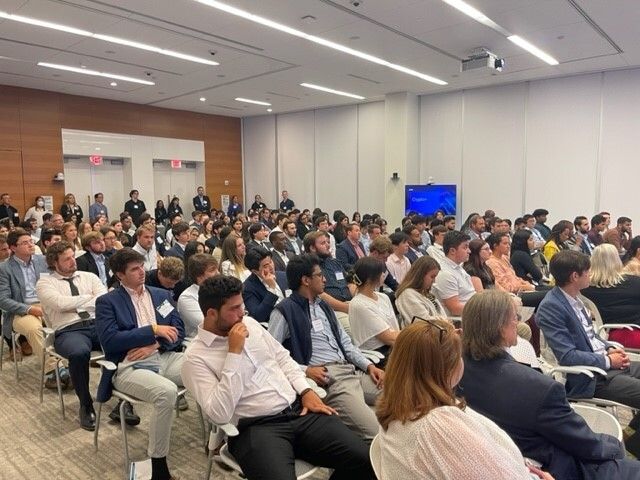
{"x":426,"y":199}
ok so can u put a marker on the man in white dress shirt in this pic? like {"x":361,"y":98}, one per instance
{"x":453,"y":285}
{"x":199,"y":267}
{"x":238,"y":373}
{"x":146,"y":246}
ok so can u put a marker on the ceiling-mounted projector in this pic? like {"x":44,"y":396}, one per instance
{"x":482,"y":58}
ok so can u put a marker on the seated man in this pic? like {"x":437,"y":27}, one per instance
{"x":380,"y":248}
{"x":453,"y":285}
{"x":142,"y":333}
{"x":93,"y":260}
{"x":397,"y":263}
{"x":531,"y":407}
{"x":351,"y":248}
{"x":258,"y":234}
{"x":180,"y":240}
{"x":171,"y":272}
{"x":68,"y":298}
{"x":308,"y":328}
{"x":416,"y":248}
{"x":146,"y":246}
{"x":200,"y":267}
{"x":238,"y":373}
{"x":281,"y":255}
{"x":294,"y":244}
{"x":435,"y":250}
{"x":568,"y":329}
{"x":19,"y":300}
{"x":265,"y":287}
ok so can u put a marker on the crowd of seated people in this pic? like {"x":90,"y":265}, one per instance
{"x":334,"y":297}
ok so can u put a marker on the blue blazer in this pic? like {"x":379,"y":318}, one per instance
{"x":533,"y":409}
{"x":12,"y":287}
{"x":258,"y":300}
{"x":175,"y":251}
{"x":565,"y":335}
{"x":346,"y":254}
{"x":118,"y":331}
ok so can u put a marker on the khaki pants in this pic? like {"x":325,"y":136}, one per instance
{"x":31,"y":327}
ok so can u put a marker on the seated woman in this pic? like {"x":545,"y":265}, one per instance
{"x":560,"y":233}
{"x":373,"y":322}
{"x":428,"y":433}
{"x":232,"y":258}
{"x":522,"y":245}
{"x":631,"y":259}
{"x":616,"y":294}
{"x":413,"y":296}
{"x":481,"y":275}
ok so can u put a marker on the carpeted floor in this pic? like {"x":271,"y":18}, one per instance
{"x":36,"y":443}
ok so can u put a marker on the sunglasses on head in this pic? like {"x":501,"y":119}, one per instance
{"x":433,"y":323}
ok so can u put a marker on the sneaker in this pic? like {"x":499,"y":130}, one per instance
{"x":182,"y":404}
{"x":65,"y":378}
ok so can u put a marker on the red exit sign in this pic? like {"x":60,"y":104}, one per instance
{"x":95,"y":160}
{"x":176,"y":163}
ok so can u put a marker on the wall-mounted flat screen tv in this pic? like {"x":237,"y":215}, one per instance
{"x":426,"y":199}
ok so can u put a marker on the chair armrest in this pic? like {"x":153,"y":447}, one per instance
{"x":265,"y":325}
{"x":579,"y":370}
{"x":612,"y":326}
{"x":47,"y":331}
{"x":107,"y":365}
{"x":373,"y":356}
{"x":228,"y":429}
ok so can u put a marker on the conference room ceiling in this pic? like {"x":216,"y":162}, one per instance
{"x":261,"y":63}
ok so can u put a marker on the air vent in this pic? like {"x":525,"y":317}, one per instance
{"x":363,"y":78}
{"x":283,"y":95}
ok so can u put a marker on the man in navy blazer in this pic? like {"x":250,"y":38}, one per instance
{"x":201,"y":201}
{"x":351,"y":248}
{"x":181,"y":238}
{"x":265,"y":287}
{"x":531,"y":407}
{"x":568,"y":330}
{"x":141,"y":332}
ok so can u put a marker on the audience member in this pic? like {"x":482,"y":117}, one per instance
{"x":530,"y":406}
{"x":167,"y":275}
{"x":146,"y":246}
{"x":476,"y":266}
{"x":36,"y":211}
{"x":232,"y":258}
{"x":142,"y":333}
{"x":160,"y":213}
{"x":631,"y":259}
{"x":308,"y":328}
{"x":414,"y":297}
{"x":414,"y":242}
{"x":380,"y":248}
{"x":620,"y":236}
{"x":503,"y":272}
{"x":7,"y":210}
{"x":70,"y":208}
{"x":135,"y":207}
{"x":560,"y":233}
{"x":111,"y":242}
{"x":201,"y":202}
{"x":540,"y":215}
{"x":397,"y":263}
{"x":351,"y":248}
{"x":435,"y":249}
{"x":322,"y":225}
{"x":598,"y":226}
{"x":265,"y":287}
{"x":98,"y":208}
{"x":235,"y":207}
{"x":181,"y":238}
{"x":581,"y":224}
{"x":5,"y":251}
{"x":453,"y":286}
{"x":258,"y":234}
{"x":522,"y":245}
{"x":286,"y":204}
{"x":477,"y":228}
{"x":94,"y":260}
{"x":200,"y":267}
{"x":294,"y":244}
{"x":280,"y":256}
{"x":426,"y":431}
{"x":68,"y":297}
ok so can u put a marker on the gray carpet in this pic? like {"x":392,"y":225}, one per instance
{"x":36,"y":443}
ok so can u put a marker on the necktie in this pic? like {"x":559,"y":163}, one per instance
{"x":74,"y":289}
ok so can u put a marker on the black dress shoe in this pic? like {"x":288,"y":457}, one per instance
{"x":130,"y":418}
{"x":87,"y":418}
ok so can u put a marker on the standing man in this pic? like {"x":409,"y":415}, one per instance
{"x":98,"y":208}
{"x":201,"y":202}
{"x":135,"y":207}
{"x":286,"y":204}
{"x":9,"y":211}
{"x":68,"y":298}
{"x":141,"y":332}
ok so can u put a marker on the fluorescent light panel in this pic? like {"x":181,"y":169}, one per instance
{"x":95,"y":73}
{"x":255,"y":102}
{"x":106,"y":38}
{"x":319,"y":40}
{"x":331,"y":90}
{"x":482,"y":18}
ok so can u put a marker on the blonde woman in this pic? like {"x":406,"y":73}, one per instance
{"x":414,"y":297}
{"x":428,"y":433}
{"x":70,"y":234}
{"x":616,"y":294}
{"x":71,"y":208}
{"x":232,"y":258}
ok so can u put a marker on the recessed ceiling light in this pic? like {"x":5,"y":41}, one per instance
{"x":202,"y":99}
{"x":113,"y":84}
{"x":86,"y":71}
{"x":319,"y":40}
{"x":533,"y":50}
{"x":256,"y":102}
{"x":269,"y":110}
{"x":331,"y":90}
{"x":106,"y":38}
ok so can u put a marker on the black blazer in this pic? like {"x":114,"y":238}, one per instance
{"x":258,"y":300}
{"x":66,"y":211}
{"x":86,"y":263}
{"x":203,"y":205}
{"x":278,"y":262}
{"x":346,"y":254}
{"x":175,"y":251}
{"x":533,"y":409}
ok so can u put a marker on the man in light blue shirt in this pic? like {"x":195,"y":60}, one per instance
{"x":98,"y":208}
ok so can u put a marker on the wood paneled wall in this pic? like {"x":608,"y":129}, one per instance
{"x":31,"y":141}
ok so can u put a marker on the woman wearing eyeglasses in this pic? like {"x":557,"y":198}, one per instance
{"x":414,"y":297}
{"x":426,"y":431}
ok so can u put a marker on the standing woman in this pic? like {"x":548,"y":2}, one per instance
{"x":232,"y":258}
{"x":426,"y":431}
{"x":174,"y":207}
{"x":235,"y":207}
{"x":36,"y":211}
{"x":258,"y":204}
{"x":373,"y":322}
{"x":414,"y":297}
{"x":161,"y":213}
{"x":70,"y":207}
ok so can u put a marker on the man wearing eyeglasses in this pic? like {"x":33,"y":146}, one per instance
{"x":309,"y":329}
{"x":19,"y":301}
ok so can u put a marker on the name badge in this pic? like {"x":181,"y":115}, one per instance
{"x":260,"y":377}
{"x":339,"y":276}
{"x":204,"y":202}
{"x":318,"y":326}
{"x":165,"y":309}
{"x":135,"y":206}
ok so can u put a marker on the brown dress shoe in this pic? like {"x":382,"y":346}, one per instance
{"x":25,"y":348}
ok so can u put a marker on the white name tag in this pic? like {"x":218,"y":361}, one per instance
{"x":165,"y":309}
{"x":204,"y":202}
{"x":135,"y":206}
{"x":318,"y":326}
{"x":339,"y":276}
{"x":260,"y":377}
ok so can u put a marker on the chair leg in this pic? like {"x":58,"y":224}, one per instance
{"x":59,"y":385}
{"x":202,"y":427}
{"x":42,"y":377}
{"x":15,"y":355}
{"x":209,"y":465}
{"x":95,"y":433}
{"x":2,"y":342}
{"x":123,"y":426}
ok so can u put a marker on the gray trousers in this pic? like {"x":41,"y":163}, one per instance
{"x":159,"y":389}
{"x":347,"y":396}
{"x":621,"y":386}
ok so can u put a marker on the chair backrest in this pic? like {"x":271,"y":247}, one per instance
{"x":375,"y":457}
{"x":599,"y":420}
{"x":523,"y":352}
{"x":595,"y":314}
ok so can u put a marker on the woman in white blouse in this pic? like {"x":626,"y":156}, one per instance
{"x":232,"y":258}
{"x":37,"y":211}
{"x":428,"y":433}
{"x":414,"y":297}
{"x":373,"y":322}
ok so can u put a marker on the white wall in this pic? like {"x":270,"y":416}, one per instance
{"x":566,"y":144}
